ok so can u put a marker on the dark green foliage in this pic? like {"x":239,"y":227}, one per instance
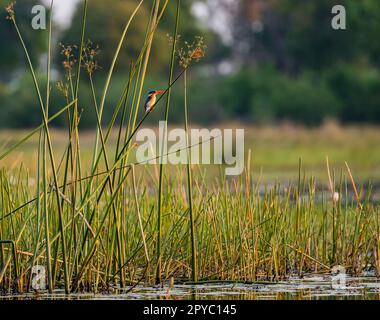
{"x":11,"y":56}
{"x":358,"y":87}
{"x":20,"y":108}
{"x":265,"y":95}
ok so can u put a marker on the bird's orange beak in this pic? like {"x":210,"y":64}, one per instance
{"x":160,"y":91}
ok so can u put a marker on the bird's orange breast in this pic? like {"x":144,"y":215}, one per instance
{"x":151,"y":101}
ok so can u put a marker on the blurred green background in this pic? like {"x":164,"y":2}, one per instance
{"x":266,"y":62}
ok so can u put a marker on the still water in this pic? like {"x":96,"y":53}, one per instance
{"x":313,"y":287}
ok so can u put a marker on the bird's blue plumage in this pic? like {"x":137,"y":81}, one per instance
{"x":150,"y":100}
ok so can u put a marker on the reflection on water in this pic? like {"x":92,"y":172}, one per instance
{"x":311,"y":287}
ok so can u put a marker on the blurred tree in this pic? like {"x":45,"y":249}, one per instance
{"x":263,"y":94}
{"x":297,"y":34}
{"x":12,"y":58}
{"x":311,"y":42}
{"x":281,"y":59}
{"x":358,"y":87}
{"x":20,"y":108}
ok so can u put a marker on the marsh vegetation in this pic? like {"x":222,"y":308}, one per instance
{"x":96,"y":220}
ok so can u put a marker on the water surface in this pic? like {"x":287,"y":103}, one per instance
{"x":315,"y":287}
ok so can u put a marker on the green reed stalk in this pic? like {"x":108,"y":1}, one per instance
{"x":130,"y":136}
{"x":114,"y":211}
{"x":194,"y":264}
{"x":76,"y":98}
{"x":123,"y":114}
{"x":96,"y":236}
{"x":50,"y":148}
{"x":147,"y":50}
{"x":44,"y":161}
{"x":160,"y":185}
{"x":38,"y":209}
{"x":73,"y":158}
{"x":96,"y":157}
{"x":139,"y":214}
{"x":112,"y":67}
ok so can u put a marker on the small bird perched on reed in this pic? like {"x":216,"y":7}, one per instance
{"x":151,"y":99}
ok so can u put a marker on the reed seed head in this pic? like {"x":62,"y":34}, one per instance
{"x":89,"y":62}
{"x":68,"y":53}
{"x":10,"y":10}
{"x":190,"y":52}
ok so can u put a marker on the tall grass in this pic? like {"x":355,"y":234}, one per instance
{"x":242,"y":233}
{"x":162,"y":152}
{"x":113,"y":223}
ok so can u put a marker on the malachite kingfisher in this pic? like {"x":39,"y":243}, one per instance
{"x":151,"y":99}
